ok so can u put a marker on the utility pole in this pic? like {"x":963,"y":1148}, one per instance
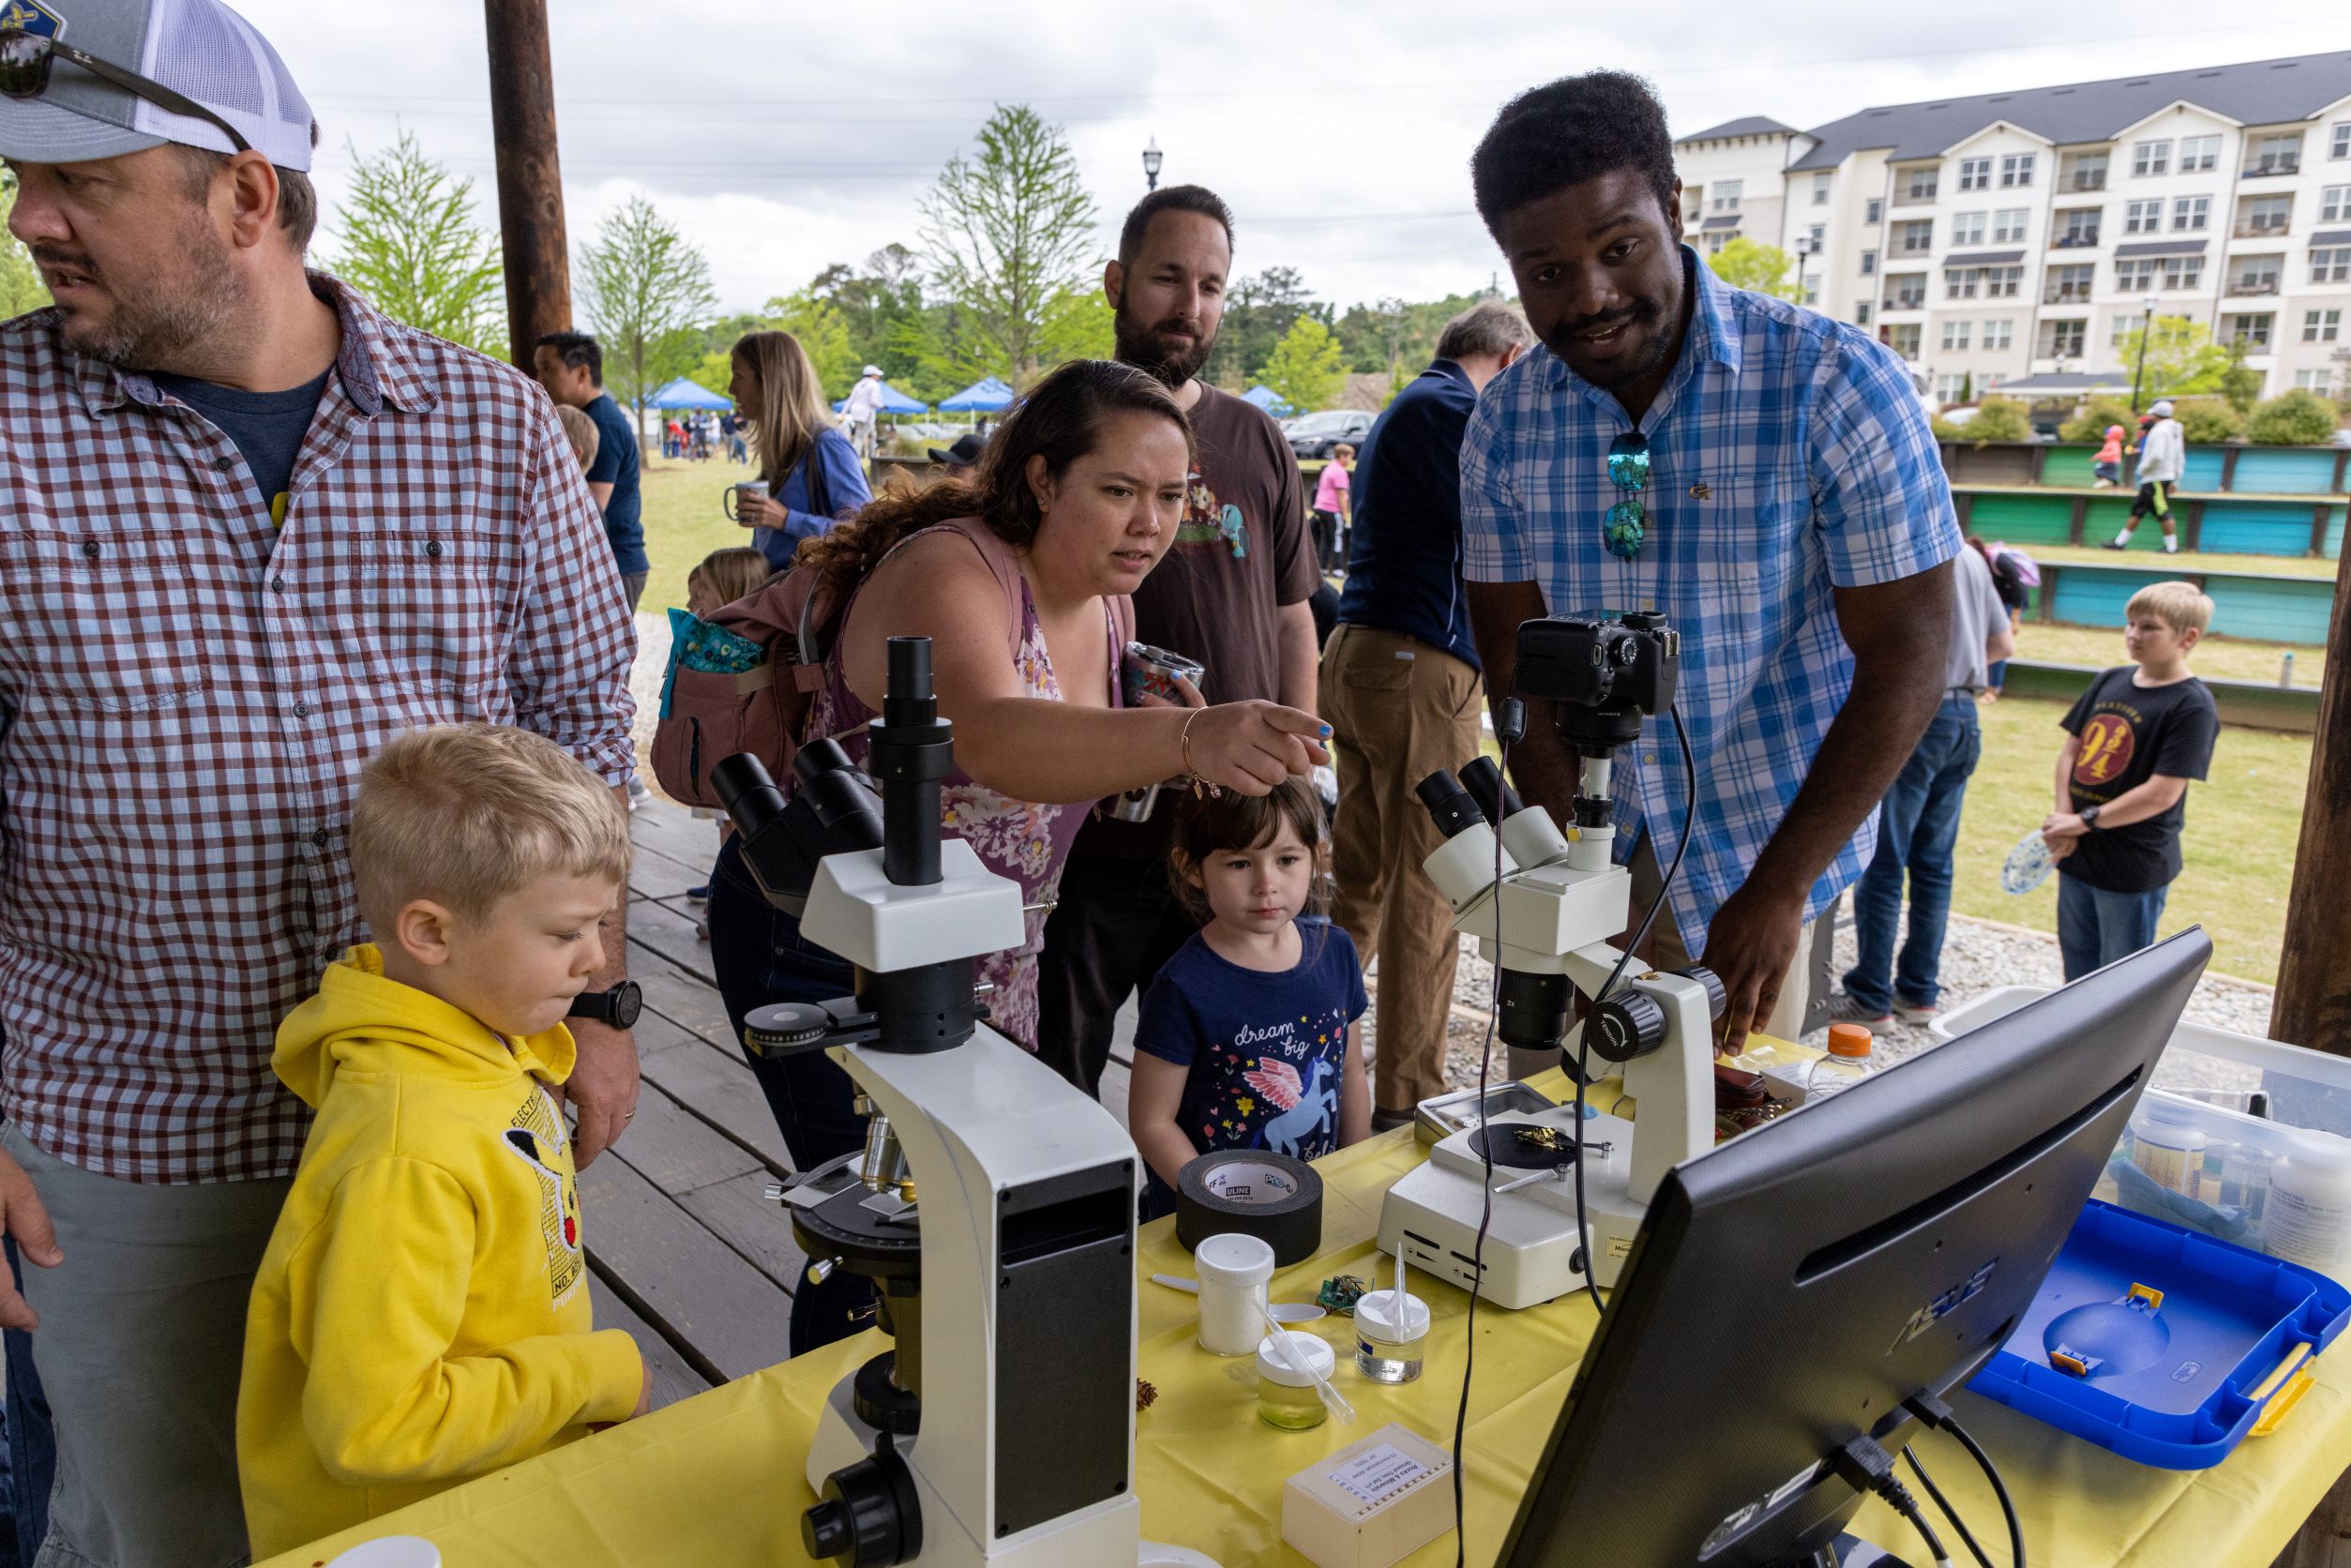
{"x":529,"y":176}
{"x":2313,"y":1006}
{"x":2147,"y":330}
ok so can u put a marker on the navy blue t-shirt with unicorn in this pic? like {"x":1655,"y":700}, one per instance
{"x":1267,"y":1051}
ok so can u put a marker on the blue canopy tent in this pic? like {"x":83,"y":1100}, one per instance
{"x":985,"y":396}
{"x":683,"y":393}
{"x":892,"y":402}
{"x":1268,"y":399}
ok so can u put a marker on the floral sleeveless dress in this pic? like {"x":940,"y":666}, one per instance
{"x":1022,"y":839}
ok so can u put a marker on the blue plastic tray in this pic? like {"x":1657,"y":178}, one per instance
{"x":2234,"y":1317}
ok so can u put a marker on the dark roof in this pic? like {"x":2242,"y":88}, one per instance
{"x":2260,"y":92}
{"x":1727,"y":221}
{"x":2161,"y":248}
{"x":1753,"y":125}
{"x":1983,"y":258}
{"x":2333,"y":236}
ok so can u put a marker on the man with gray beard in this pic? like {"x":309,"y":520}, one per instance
{"x":249,"y":529}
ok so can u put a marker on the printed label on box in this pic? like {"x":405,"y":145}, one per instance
{"x":1379,"y":1473}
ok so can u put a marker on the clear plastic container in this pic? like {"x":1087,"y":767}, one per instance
{"x":1848,"y":1062}
{"x":1390,"y":1335}
{"x":1286,"y":1396}
{"x":2308,"y":1216}
{"x":1233,"y":1271}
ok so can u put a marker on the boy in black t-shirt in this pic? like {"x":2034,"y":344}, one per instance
{"x":2134,"y":741}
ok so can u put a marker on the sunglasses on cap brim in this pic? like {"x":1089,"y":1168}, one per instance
{"x":24,"y":62}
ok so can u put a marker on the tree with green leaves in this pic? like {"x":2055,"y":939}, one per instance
{"x":20,"y":286}
{"x":2297,"y":418}
{"x":1307,"y":367}
{"x":2240,"y":383}
{"x":645,"y":285}
{"x":410,"y":243}
{"x":1259,"y":314}
{"x":1006,"y":231}
{"x":2181,"y":357}
{"x":1750,"y":265}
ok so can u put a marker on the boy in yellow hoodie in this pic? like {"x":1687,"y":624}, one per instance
{"x":421,"y":1314}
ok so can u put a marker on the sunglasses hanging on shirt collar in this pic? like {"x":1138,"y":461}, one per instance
{"x":1625,"y":527}
{"x":26,"y":58}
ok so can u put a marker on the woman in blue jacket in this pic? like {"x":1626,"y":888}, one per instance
{"x":813,"y":475}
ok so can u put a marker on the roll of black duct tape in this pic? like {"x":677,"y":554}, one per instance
{"x":1253,"y":1193}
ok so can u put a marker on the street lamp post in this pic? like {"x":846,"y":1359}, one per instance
{"x":1150,"y":164}
{"x":2147,"y":330}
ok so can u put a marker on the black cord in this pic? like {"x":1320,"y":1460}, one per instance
{"x":1865,"y":1465}
{"x":1999,"y":1488}
{"x":1907,"y":1506}
{"x":1910,"y":1457}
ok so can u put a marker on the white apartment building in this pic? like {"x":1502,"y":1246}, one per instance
{"x":2014,"y":239}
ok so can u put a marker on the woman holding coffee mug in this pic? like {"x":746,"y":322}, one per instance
{"x":809,"y":471}
{"x":1019,"y":577}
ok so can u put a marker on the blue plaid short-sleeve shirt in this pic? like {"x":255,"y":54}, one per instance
{"x":1789,"y":456}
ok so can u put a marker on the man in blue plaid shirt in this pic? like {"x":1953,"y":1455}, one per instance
{"x":1761,"y":475}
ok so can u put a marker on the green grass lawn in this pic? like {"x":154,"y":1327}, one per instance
{"x":2242,"y":827}
{"x":683,"y":523}
{"x":2217,"y":657}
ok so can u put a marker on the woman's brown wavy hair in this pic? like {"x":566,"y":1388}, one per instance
{"x":1061,"y":418}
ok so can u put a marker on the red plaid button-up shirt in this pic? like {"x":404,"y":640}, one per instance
{"x":188,"y":693}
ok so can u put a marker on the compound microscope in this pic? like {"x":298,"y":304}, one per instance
{"x":1000,"y":1429}
{"x":1545,"y":925}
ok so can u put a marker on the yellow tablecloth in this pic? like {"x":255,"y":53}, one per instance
{"x":715,"y":1480}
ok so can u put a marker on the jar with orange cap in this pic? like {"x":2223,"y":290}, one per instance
{"x":1848,"y":1061}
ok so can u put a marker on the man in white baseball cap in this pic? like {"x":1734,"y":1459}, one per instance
{"x":862,"y":408}
{"x":251,"y":529}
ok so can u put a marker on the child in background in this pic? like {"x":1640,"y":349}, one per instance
{"x":581,"y":432}
{"x":1252,"y":1035}
{"x":2107,"y":465}
{"x":421,"y":1314}
{"x":723,"y":577}
{"x":2137,"y":736}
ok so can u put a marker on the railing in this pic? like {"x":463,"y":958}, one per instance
{"x":2081,"y":240}
{"x":2290,"y":163}
{"x":2067,"y":293}
{"x":2084,"y":180}
{"x":2248,"y":228}
{"x":1915,"y":199}
{"x":1905,"y":301}
{"x":2255,"y":341}
{"x":2240,"y":288}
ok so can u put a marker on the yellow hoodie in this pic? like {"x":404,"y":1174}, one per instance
{"x":421,"y":1316}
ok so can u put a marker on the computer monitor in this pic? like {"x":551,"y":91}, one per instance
{"x":1791,"y":1289}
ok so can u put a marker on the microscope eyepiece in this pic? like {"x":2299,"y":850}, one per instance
{"x":1491,"y":790}
{"x":1449,"y":805}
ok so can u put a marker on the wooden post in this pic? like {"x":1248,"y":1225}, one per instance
{"x":530,"y":178}
{"x":2313,"y":1006}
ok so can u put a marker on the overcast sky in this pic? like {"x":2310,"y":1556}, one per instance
{"x":786,"y":137}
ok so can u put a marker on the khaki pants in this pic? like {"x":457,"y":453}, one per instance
{"x":1399,"y":710}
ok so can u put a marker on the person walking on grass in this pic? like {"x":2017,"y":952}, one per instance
{"x":2163,"y":459}
{"x":1333,"y":516}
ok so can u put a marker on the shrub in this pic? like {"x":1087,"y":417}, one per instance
{"x":1999,"y":419}
{"x":2209,"y":422}
{"x":2296,"y":418}
{"x":2088,"y":427}
{"x":1945,"y":431}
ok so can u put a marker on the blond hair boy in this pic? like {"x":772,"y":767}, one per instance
{"x":421,"y":1314}
{"x":2133,"y":742}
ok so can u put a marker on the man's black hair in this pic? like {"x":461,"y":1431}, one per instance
{"x":1565,"y":133}
{"x":1176,"y":198}
{"x":577,"y":349}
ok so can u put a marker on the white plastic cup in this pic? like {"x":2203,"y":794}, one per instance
{"x":391,"y":1551}
{"x":1233,"y":1269}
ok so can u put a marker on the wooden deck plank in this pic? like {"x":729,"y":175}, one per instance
{"x":673,"y":1377}
{"x":718,"y":1088}
{"x":674,"y":830}
{"x":667,"y":927}
{"x":654,"y":875}
{"x":739,"y":1211}
{"x":674,"y":1150}
{"x":681,"y":1276}
{"x":686,"y":999}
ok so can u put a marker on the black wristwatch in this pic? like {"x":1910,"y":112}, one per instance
{"x":615,"y":1009}
{"x":2089,"y":816}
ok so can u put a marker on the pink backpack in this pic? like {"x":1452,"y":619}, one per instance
{"x":765,"y":710}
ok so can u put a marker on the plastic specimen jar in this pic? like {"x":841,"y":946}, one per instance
{"x":1286,"y":1396}
{"x":1233,"y":1271}
{"x":1389,"y":1333}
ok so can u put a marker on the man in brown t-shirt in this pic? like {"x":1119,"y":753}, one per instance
{"x":1231,"y":593}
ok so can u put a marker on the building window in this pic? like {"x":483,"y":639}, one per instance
{"x":1818,"y":234}
{"x":1975,"y":173}
{"x":2279,"y":154}
{"x":2198,"y":153}
{"x":2321,"y":381}
{"x":1716,"y":241}
{"x":2145,"y":272}
{"x":1726,"y":194}
{"x":2334,"y":203}
{"x":2016,"y":171}
{"x":2150,"y":157}
{"x":2062,"y":339}
{"x":1820,"y":190}
{"x":2001,"y":282}
{"x":1956,"y":335}
{"x":2081,"y":228}
{"x":1922,"y":182}
{"x":1917,"y":235}
{"x":1967,"y":228}
{"x":1962,"y":282}
{"x":1904,"y":340}
{"x":2069,"y":284}
{"x":1999,"y":335}
{"x":2255,"y":275}
{"x":1860,"y":314}
{"x":2251,"y":331}
{"x":2266,"y":215}
{"x":2321,"y":326}
{"x":1910,"y":291}
{"x":1869,"y":263}
{"x":1951,"y":387}
{"x":2191,"y":212}
{"x":2341,"y":145}
{"x":2183,"y":272}
{"x":2330,"y":266}
{"x":1875,"y":211}
{"x":2142,"y":218}
{"x":2124,"y":326}
{"x":2008,"y":226}
{"x":2088,"y":172}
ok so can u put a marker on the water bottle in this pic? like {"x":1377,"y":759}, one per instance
{"x":1848,"y":1062}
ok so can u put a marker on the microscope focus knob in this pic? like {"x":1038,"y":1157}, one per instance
{"x":1717,"y":997}
{"x":1628,"y":1024}
{"x":869,"y":1515}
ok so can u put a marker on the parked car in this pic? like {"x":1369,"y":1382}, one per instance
{"x":1313,"y":435}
